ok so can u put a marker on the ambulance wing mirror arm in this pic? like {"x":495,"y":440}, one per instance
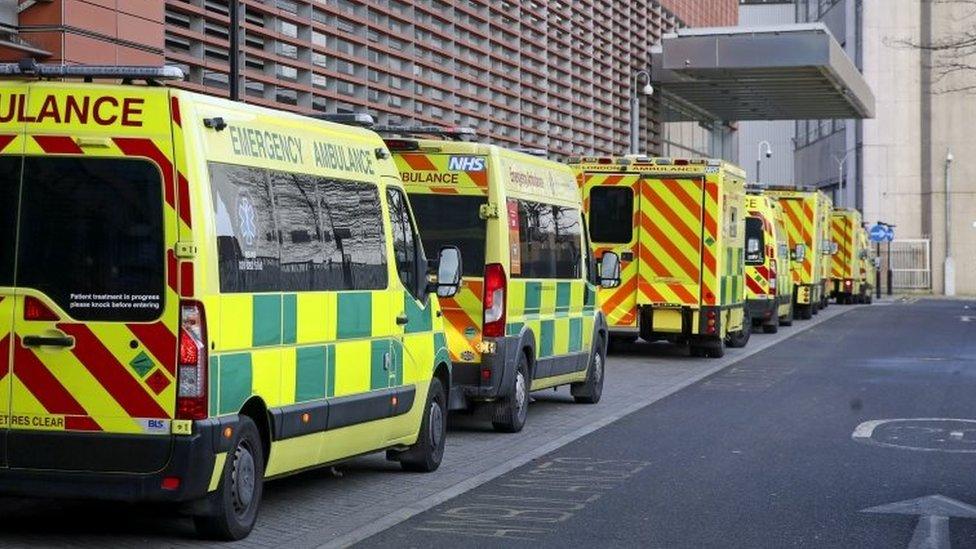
{"x":444,"y":277}
{"x":610,"y":270}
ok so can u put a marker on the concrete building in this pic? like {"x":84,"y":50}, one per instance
{"x":923,"y":115}
{"x":551,"y":75}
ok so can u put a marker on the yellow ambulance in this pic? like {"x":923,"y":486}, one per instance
{"x":806,"y":215}
{"x":196,"y":295}
{"x":868,"y":267}
{"x":769,"y":283}
{"x":850,"y":264}
{"x":525,"y":317}
{"x":678,"y":227}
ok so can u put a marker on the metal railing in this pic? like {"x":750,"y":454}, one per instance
{"x":911,"y":263}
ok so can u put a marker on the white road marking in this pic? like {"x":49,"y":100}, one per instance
{"x":864,"y":433}
{"x":932,"y":529}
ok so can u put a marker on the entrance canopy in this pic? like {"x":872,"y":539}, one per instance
{"x":784,"y":72}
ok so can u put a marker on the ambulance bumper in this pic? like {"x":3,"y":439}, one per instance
{"x":762,"y":309}
{"x":191,"y":461}
{"x":487,"y":380}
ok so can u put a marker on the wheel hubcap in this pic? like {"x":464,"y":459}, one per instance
{"x":520,"y":393}
{"x":435,"y":420}
{"x":243,"y":479}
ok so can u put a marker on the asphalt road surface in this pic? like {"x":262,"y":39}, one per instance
{"x":791,"y":447}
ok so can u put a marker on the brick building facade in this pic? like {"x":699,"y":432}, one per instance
{"x":553,"y":75}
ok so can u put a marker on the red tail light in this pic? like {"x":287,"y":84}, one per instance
{"x":191,"y":396}
{"x":35,"y":309}
{"x":494,"y":301}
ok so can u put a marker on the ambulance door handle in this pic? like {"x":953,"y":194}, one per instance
{"x":402,"y":319}
{"x":48,"y":341}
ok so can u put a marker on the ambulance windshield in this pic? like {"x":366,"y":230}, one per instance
{"x":452,"y":220}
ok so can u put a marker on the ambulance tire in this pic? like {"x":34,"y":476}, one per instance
{"x":510,"y":413}
{"x":740,"y":339}
{"x":805,"y":312}
{"x":788,"y":319}
{"x":697,"y":351}
{"x":772,"y":326}
{"x":426,"y":454}
{"x":716,"y":348}
{"x":590,"y":391}
{"x":234,"y":506}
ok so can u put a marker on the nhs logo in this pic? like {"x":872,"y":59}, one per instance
{"x":466,"y":164}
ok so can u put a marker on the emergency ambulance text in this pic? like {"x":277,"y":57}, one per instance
{"x":265,"y":145}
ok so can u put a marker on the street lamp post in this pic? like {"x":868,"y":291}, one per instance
{"x":949,"y":269}
{"x":648,"y":89}
{"x":841,"y":162}
{"x":769,"y":154}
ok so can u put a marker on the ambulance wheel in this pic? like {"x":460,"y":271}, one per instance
{"x":697,"y":351}
{"x":805,"y":312}
{"x":426,"y":454}
{"x":740,"y":339}
{"x":715,"y":348}
{"x":234,"y":506}
{"x":788,"y":319}
{"x":510,"y":413}
{"x":772,"y":326}
{"x":590,"y":391}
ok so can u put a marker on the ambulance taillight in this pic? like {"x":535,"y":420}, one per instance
{"x":494,"y":300}
{"x":191,"y":396}
{"x":772,"y":281}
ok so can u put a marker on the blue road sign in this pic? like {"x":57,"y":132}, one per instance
{"x":889,"y":234}
{"x":879,"y":233}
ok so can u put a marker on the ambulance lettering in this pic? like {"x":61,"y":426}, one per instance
{"x":103,"y":111}
{"x":466,"y":164}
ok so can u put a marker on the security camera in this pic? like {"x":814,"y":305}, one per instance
{"x":769,"y":153}
{"x":950,"y":157}
{"x":648,"y":89}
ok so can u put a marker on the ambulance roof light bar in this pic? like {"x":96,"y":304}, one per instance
{"x":457,"y":133}
{"x":360,"y":119}
{"x":541,"y":153}
{"x":30,"y":68}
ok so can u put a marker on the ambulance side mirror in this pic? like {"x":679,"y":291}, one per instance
{"x":445,"y":277}
{"x":609,"y":270}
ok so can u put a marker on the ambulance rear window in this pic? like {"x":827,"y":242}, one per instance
{"x":755,"y":241}
{"x":91,"y":236}
{"x":452,"y":220}
{"x":9,"y":189}
{"x":611,"y":215}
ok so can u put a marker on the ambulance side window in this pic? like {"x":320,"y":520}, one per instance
{"x":406,"y":243}
{"x":351,"y":223}
{"x":549,"y":241}
{"x":302,"y":253}
{"x":247,"y":239}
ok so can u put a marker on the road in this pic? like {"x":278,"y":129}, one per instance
{"x":754,"y":449}
{"x":761,"y":454}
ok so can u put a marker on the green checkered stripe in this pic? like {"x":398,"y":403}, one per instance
{"x":732,"y":281}
{"x":559,"y":313}
{"x":343,"y":353}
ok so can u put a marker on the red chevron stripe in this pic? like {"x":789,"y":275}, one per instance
{"x":419,"y":162}
{"x":172,"y":267}
{"x":6,"y":140}
{"x":754,"y":286}
{"x":673,"y":252}
{"x":691,"y":237}
{"x":649,"y":259}
{"x":683,"y":294}
{"x":651,"y":294}
{"x":623,"y":292}
{"x":42,"y":384}
{"x":57,"y":144}
{"x":160,"y":342}
{"x":111,"y":374}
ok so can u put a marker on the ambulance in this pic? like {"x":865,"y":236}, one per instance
{"x":846,"y":276}
{"x":526,"y":316}
{"x":678,"y":227}
{"x":769,"y":283}
{"x":197,"y":295}
{"x":806,"y":215}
